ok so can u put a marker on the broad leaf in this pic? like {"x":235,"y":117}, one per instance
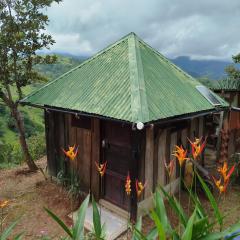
{"x":78,"y":229}
{"x":212,"y":201}
{"x":60,"y":222}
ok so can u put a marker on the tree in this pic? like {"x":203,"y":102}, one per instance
{"x":22,"y":34}
{"x":232,"y":71}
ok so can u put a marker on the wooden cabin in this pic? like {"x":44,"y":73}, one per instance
{"x":229,"y":90}
{"x":127,"y":105}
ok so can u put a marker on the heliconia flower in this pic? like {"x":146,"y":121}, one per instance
{"x":139,"y":187}
{"x":224,"y":171}
{"x":225,"y":174}
{"x":101,"y":168}
{"x":4,"y":203}
{"x":180,"y":154}
{"x":170,"y":168}
{"x":221,"y":187}
{"x":197,"y":146}
{"x":128,"y":185}
{"x":71,"y":153}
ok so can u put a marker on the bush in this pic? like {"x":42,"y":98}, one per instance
{"x":11,"y":154}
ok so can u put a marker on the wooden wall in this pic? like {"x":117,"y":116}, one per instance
{"x":160,"y":143}
{"x":61,"y":133}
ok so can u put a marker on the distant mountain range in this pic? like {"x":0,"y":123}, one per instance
{"x":211,"y":69}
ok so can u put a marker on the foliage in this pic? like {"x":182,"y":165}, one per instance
{"x":198,"y":226}
{"x":22,"y":34}
{"x":77,"y":231}
{"x":232,"y":71}
{"x":11,"y":153}
{"x":8,"y":231}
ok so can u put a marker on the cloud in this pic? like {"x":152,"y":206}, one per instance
{"x":200,"y":29}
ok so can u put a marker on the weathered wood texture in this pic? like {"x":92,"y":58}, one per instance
{"x":95,"y":183}
{"x":149,"y":160}
{"x":161,"y":150}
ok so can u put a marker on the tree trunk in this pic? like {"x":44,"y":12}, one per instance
{"x":20,"y":126}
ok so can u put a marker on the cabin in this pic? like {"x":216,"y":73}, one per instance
{"x":127,"y":105}
{"x":229,"y":90}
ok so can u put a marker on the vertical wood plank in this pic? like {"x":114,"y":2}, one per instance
{"x":162,"y":143}
{"x":172,"y":147}
{"x":84,"y":157}
{"x":149,"y":160}
{"x":95,"y":157}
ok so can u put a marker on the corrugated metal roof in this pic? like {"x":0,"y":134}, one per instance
{"x":128,"y":81}
{"x":227,"y":84}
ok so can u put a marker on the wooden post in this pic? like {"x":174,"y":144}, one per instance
{"x":136,"y":145}
{"x":162,"y":158}
{"x":172,"y":147}
{"x":49,"y":131}
{"x":149,"y":160}
{"x":95,"y":181}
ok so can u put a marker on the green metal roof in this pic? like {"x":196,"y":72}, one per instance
{"x":127,"y":81}
{"x":227,"y":84}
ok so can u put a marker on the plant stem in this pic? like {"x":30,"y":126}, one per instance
{"x":1,"y":221}
{"x":180,"y":180}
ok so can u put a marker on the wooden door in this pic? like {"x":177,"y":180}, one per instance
{"x":116,"y":150}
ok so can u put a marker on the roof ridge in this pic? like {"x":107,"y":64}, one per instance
{"x":139,"y":107}
{"x":110,"y":46}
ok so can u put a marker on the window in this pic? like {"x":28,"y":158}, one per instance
{"x":208,"y":95}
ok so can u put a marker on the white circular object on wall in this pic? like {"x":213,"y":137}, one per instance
{"x":140,"y":125}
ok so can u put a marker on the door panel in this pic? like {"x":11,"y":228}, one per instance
{"x":116,"y":150}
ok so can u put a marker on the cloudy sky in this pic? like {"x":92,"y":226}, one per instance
{"x":206,"y":29}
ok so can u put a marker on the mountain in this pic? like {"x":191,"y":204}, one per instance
{"x":212,"y":69}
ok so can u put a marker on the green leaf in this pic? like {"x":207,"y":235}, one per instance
{"x":161,"y":211}
{"x":96,"y":220}
{"x":78,"y":229}
{"x":8,"y":231}
{"x":160,"y":228}
{"x":59,"y":221}
{"x":212,"y":201}
{"x":176,"y":207}
{"x":200,"y":228}
{"x":138,"y":226}
{"x":200,"y":211}
{"x":187,"y":235}
{"x":18,"y":237}
{"x":219,"y":235}
{"x":152,"y":234}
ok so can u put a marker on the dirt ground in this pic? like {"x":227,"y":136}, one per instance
{"x":30,"y":192}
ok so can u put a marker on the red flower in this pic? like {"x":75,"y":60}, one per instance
{"x":101,"y":168}
{"x":197,"y":146}
{"x":71,"y":153}
{"x":128,"y":185}
{"x":140,"y":187}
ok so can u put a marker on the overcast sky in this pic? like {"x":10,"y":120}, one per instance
{"x":205,"y":29}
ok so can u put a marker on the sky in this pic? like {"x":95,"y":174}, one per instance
{"x":205,"y":29}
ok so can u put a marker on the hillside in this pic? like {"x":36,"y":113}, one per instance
{"x":212,"y":69}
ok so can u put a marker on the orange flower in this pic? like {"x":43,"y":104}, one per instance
{"x":4,"y":203}
{"x":139,"y":188}
{"x":225,"y":174}
{"x":128,"y":185}
{"x":221,"y":187}
{"x":197,"y":147}
{"x":224,"y":171}
{"x":170,"y":168}
{"x":101,"y":168}
{"x":71,"y":153}
{"x":181,"y":154}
